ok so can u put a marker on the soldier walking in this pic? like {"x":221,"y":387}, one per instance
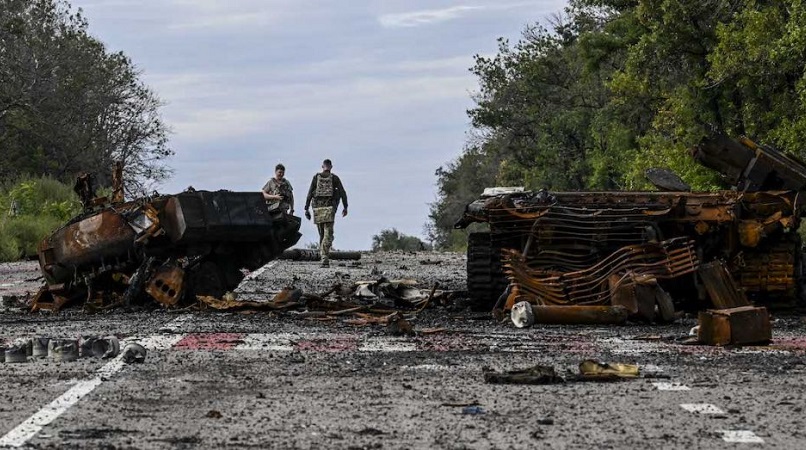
{"x":325,"y":193}
{"x":278,"y":192}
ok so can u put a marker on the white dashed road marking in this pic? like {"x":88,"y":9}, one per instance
{"x":702,"y":408}
{"x":664,"y":386}
{"x":386,"y":345}
{"x":741,"y":437}
{"x":23,"y":432}
{"x":260,"y":271}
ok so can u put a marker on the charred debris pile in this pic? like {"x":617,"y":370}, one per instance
{"x":165,"y":248}
{"x":606,"y":257}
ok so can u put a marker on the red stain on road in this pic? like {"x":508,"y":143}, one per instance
{"x":210,"y":341}
{"x":790,"y":343}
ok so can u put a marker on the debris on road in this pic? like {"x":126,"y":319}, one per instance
{"x":63,"y":349}
{"x":589,"y":370}
{"x":735,"y":326}
{"x":532,"y":375}
{"x":169,"y":248}
{"x":597,"y":371}
{"x":17,"y":351}
{"x":525,"y":314}
{"x":473,"y":410}
{"x":213,"y":414}
{"x":39,"y":346}
{"x":133,"y":353}
{"x":299,"y":254}
{"x":100,"y":347}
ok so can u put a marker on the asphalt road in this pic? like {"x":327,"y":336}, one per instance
{"x":262,"y":380}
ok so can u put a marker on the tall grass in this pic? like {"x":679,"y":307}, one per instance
{"x":30,"y":209}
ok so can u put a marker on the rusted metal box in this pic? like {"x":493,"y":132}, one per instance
{"x":737,"y":326}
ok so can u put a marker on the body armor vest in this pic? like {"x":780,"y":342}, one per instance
{"x":324,"y":186}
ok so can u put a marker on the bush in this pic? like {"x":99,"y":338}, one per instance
{"x":42,"y":205}
{"x":21,"y":235}
{"x":391,"y":239}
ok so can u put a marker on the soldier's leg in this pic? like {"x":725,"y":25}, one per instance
{"x":327,"y":242}
{"x":320,"y":227}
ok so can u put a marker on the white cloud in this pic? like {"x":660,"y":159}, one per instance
{"x":252,"y":109}
{"x":425,"y":17}
{"x":431,"y":16}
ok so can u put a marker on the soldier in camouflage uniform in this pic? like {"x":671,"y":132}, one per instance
{"x":325,"y":193}
{"x":278,"y":192}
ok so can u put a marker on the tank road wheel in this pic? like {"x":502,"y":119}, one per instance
{"x":485,"y":276}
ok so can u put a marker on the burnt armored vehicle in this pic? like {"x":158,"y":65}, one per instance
{"x":580,"y":247}
{"x":168,"y":248}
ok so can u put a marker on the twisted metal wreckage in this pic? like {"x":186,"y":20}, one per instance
{"x":636,"y":251}
{"x":171,"y":248}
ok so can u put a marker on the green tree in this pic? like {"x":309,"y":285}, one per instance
{"x":619,"y":86}
{"x":391,"y":239}
{"x":68,"y":105}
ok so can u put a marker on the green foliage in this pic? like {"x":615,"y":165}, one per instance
{"x":459,"y":184}
{"x":19,"y":236}
{"x":41,"y":205}
{"x":618,"y":86}
{"x":68,"y":105}
{"x":391,"y":239}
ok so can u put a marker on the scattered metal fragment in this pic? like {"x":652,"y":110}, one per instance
{"x":473,"y":410}
{"x":567,"y":315}
{"x":100,"y":347}
{"x":39,"y":346}
{"x":594,"y":370}
{"x":63,"y":349}
{"x":399,"y":326}
{"x":722,"y":289}
{"x":736,"y":326}
{"x":133,"y":353}
{"x":666,"y":180}
{"x":532,"y":375}
{"x":17,"y":351}
{"x":522,"y":315}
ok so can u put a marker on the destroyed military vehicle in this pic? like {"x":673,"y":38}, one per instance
{"x":167,"y":248}
{"x":586,"y":248}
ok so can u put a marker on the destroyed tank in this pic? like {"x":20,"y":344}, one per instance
{"x":168,"y":248}
{"x":577,"y":247}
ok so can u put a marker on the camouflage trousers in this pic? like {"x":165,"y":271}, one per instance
{"x":325,"y":239}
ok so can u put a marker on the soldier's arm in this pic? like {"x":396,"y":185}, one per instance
{"x":342,"y":192}
{"x":311,"y":190}
{"x":290,"y":198}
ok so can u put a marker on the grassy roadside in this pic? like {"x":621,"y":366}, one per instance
{"x":30,"y":209}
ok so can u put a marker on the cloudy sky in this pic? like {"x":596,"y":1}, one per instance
{"x":379,"y":86}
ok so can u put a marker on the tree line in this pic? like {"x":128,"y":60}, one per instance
{"x":67,"y":104}
{"x":614,"y":87}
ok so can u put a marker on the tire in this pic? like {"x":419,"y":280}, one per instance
{"x":485,"y":276}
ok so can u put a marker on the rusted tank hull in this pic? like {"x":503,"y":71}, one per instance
{"x":166,"y":248}
{"x":566,"y":234}
{"x":102,"y":239}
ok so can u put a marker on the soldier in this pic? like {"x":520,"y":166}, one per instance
{"x":326,"y":191}
{"x":278,"y":192}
